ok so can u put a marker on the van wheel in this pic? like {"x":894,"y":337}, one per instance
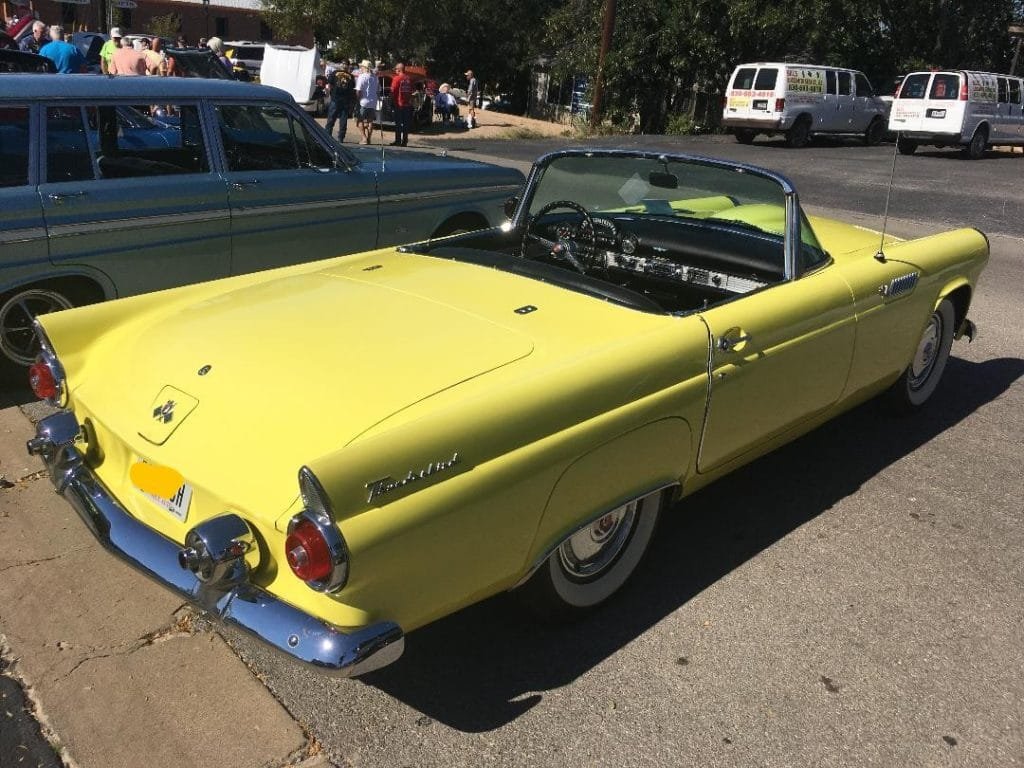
{"x":745,"y":136}
{"x":799,"y":134}
{"x":976,"y":149}
{"x":18,"y":340}
{"x":906,"y":146}
{"x":874,"y":133}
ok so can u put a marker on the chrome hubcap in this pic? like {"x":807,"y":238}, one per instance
{"x":17,"y":335}
{"x":927,"y":352}
{"x":591,"y":550}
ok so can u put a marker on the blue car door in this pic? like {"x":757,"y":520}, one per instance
{"x":290,"y":200}
{"x":133,"y":199}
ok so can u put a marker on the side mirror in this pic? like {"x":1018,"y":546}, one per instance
{"x":510,"y":206}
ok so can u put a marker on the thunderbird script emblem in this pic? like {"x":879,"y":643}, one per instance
{"x":165,"y":412}
{"x":388,"y":484}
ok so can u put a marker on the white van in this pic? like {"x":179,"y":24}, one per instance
{"x":800,"y":101}
{"x":973,"y":110}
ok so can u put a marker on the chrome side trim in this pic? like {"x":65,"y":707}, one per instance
{"x":244,"y":605}
{"x":138,"y":222}
{"x":434,"y":194}
{"x":589,"y":521}
{"x":312,"y":205}
{"x":25,"y":235}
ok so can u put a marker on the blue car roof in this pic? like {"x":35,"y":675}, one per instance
{"x":149,"y":90}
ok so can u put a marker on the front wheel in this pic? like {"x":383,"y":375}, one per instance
{"x":18,"y":310}
{"x":593,"y":563}
{"x":918,"y":382}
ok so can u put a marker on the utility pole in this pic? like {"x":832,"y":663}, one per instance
{"x":607,"y":30}
{"x":1016,"y":33}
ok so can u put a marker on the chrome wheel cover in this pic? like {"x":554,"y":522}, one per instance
{"x":927,"y":352}
{"x":17,"y":335}
{"x":591,"y":550}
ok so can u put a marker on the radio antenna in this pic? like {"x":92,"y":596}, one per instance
{"x":880,"y":256}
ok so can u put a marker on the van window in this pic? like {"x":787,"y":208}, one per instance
{"x":914,"y":86}
{"x":127,"y":142}
{"x":1014,"y":91}
{"x":830,"y":81}
{"x":1004,"y":91}
{"x":945,"y":86}
{"x":67,"y":146}
{"x":766,"y":79}
{"x":14,"y":145}
{"x":744,"y":79}
{"x":266,"y":137}
{"x":845,"y":84}
{"x":863,"y":86}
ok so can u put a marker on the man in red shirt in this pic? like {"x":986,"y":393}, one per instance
{"x":401,"y":99}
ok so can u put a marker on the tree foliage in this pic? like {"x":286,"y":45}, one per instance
{"x":666,"y":57}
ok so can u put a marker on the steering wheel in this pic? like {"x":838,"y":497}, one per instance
{"x":563,"y":249}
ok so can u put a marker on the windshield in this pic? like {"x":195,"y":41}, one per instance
{"x":660,"y":187}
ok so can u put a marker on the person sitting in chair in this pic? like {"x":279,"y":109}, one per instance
{"x":445,"y":103}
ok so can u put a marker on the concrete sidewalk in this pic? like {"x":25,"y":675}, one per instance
{"x":119,"y":670}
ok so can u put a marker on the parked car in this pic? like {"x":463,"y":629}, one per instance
{"x":90,"y":44}
{"x":99,"y":199}
{"x":196,"y":62}
{"x":332,"y":455}
{"x":968,"y":110}
{"x":13,"y":61}
{"x":801,"y":101}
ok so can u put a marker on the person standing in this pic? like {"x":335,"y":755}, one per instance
{"x":472,"y":95}
{"x":366,"y":90}
{"x":127,"y":61}
{"x":342,"y":86}
{"x":401,"y":99}
{"x":65,"y":57}
{"x":109,"y":49}
{"x":31,"y":43}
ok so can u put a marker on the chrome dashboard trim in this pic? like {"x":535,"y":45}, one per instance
{"x":244,"y":605}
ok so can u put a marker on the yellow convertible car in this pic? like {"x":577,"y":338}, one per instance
{"x":333,"y":454}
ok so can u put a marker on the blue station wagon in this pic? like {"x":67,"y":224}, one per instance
{"x":99,"y":199}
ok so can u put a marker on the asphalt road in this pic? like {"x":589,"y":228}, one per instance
{"x":852,"y":599}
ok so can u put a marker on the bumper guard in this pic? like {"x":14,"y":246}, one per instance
{"x":276,"y":623}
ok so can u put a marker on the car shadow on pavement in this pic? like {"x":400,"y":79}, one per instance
{"x":486,"y":665}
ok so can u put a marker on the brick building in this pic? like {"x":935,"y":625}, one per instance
{"x":227,"y":19}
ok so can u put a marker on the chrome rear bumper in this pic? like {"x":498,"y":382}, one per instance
{"x":278,"y":624}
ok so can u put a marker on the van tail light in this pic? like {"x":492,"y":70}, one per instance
{"x":963,"y":89}
{"x":725,"y":100}
{"x":308,"y":555}
{"x":780,"y":105}
{"x":42,"y":381}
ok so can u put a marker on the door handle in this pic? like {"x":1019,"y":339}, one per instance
{"x":239,"y":185}
{"x":729,"y":343}
{"x":60,"y":197}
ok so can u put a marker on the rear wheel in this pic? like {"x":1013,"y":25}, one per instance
{"x":873,"y":135}
{"x":18,"y":310}
{"x":594,"y":562}
{"x":976,"y":149}
{"x":799,"y":134}
{"x":919,"y":381}
{"x":906,"y":146}
{"x":745,"y":136}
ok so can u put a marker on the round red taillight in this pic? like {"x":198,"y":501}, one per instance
{"x":308,"y":555}
{"x":41,"y":379}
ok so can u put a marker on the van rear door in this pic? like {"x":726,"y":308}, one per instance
{"x":929,"y":102}
{"x":751,"y":95}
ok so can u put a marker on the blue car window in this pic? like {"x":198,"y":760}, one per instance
{"x":67,"y":147}
{"x":266,"y":137}
{"x":14,"y":145}
{"x":128,"y":141}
